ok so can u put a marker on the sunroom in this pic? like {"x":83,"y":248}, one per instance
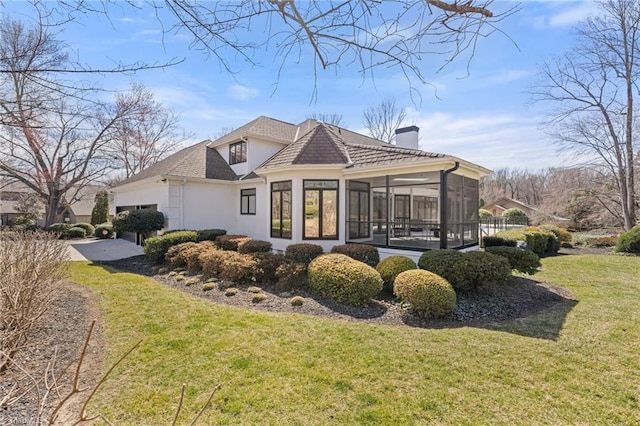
{"x":416,"y":211}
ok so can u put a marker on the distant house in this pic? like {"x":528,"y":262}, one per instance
{"x":76,"y":209}
{"x":501,"y":205}
{"x":314,"y":182}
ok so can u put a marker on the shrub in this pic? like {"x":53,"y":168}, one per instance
{"x":254,"y":289}
{"x":343,"y":279}
{"x":539,"y":241}
{"x":443,"y":263}
{"x":466,"y":271}
{"x":563,"y":236}
{"x":155,"y":248}
{"x":629,"y":242}
{"x":609,"y":241}
{"x":88,"y":228}
{"x":231,"y":242}
{"x":100,"y":211}
{"x":191,"y":281}
{"x":255,"y":246}
{"x":257,"y":298}
{"x":179,"y":277}
{"x":429,"y":295}
{"x":523,"y":261}
{"x":232,"y":291}
{"x":76,"y":232}
{"x":104,"y":231}
{"x":297,"y":301}
{"x":238,"y":268}
{"x":365,"y":253}
{"x":485,"y":268}
{"x":60,"y":228}
{"x":175,"y":256}
{"x":24,"y":223}
{"x":268,"y":264}
{"x":291,"y":276}
{"x":516,"y":216}
{"x":390,"y":267}
{"x":211,"y":261}
{"x":484,"y":214}
{"x":302,"y":253}
{"x":143,"y":221}
{"x":208,"y":286}
{"x":498,"y":242}
{"x":210,"y":234}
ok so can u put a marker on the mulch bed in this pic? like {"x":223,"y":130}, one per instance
{"x":65,"y":325}
{"x":521,"y":298}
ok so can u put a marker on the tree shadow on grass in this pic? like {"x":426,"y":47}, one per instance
{"x":525,"y":307}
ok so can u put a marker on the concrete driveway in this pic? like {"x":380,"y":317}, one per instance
{"x":94,"y":249}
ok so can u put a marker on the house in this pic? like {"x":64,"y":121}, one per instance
{"x":314,"y":182}
{"x":76,"y":209}
{"x":501,"y":205}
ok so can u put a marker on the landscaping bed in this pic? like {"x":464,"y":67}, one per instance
{"x":519,"y":298}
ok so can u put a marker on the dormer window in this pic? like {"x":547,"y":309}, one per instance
{"x":238,"y":152}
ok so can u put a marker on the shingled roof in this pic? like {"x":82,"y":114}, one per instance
{"x":196,"y":161}
{"x":326,"y":144}
{"x":264,"y":127}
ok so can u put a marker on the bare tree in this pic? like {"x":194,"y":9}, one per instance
{"x":383,"y":119}
{"x":52,"y":132}
{"x":329,"y":118}
{"x":594,"y":88}
{"x":394,"y":33}
{"x":145,"y":138}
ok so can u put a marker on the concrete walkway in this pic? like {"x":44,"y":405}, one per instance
{"x":93,"y":249}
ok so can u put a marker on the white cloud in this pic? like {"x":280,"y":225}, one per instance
{"x":573,"y":15}
{"x":242,"y":93}
{"x":492,"y":141}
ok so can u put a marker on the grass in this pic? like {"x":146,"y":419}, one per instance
{"x":295,"y":369}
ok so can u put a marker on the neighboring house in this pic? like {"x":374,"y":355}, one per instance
{"x":500,"y":206}
{"x":77,"y":209}
{"x":315,"y":183}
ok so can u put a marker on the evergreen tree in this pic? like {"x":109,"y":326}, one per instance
{"x":100,"y":212}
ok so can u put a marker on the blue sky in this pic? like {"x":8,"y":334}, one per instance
{"x":485,"y":117}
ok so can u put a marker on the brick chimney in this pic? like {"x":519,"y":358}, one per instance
{"x":407,"y":137}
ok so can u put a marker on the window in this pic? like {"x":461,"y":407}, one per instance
{"x":320,"y":210}
{"x":248,"y":201}
{"x":281,"y":209}
{"x":238,"y":152}
{"x":358,"y":210}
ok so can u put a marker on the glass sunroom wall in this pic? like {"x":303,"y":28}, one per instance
{"x":404,"y":210}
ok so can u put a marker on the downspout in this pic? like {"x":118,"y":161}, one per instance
{"x":388,"y":221}
{"x":444,"y":201}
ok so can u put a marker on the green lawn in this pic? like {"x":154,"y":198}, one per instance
{"x":577,"y":364}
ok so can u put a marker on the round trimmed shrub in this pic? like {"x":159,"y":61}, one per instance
{"x":485,"y":214}
{"x":156,"y":247}
{"x":524,"y":261}
{"x":302,"y":252}
{"x":231,"y":242}
{"x":255,"y":246}
{"x":486,"y":268}
{"x":60,"y":228}
{"x":390,"y":267}
{"x":88,"y":228}
{"x":210,"y":234}
{"x":429,"y":295}
{"x":76,"y":232}
{"x":629,"y":242}
{"x":516,"y":216}
{"x":344,"y":279}
{"x":365,"y":253}
{"x":444,"y":263}
{"x":176,"y":256}
{"x":104,"y":231}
